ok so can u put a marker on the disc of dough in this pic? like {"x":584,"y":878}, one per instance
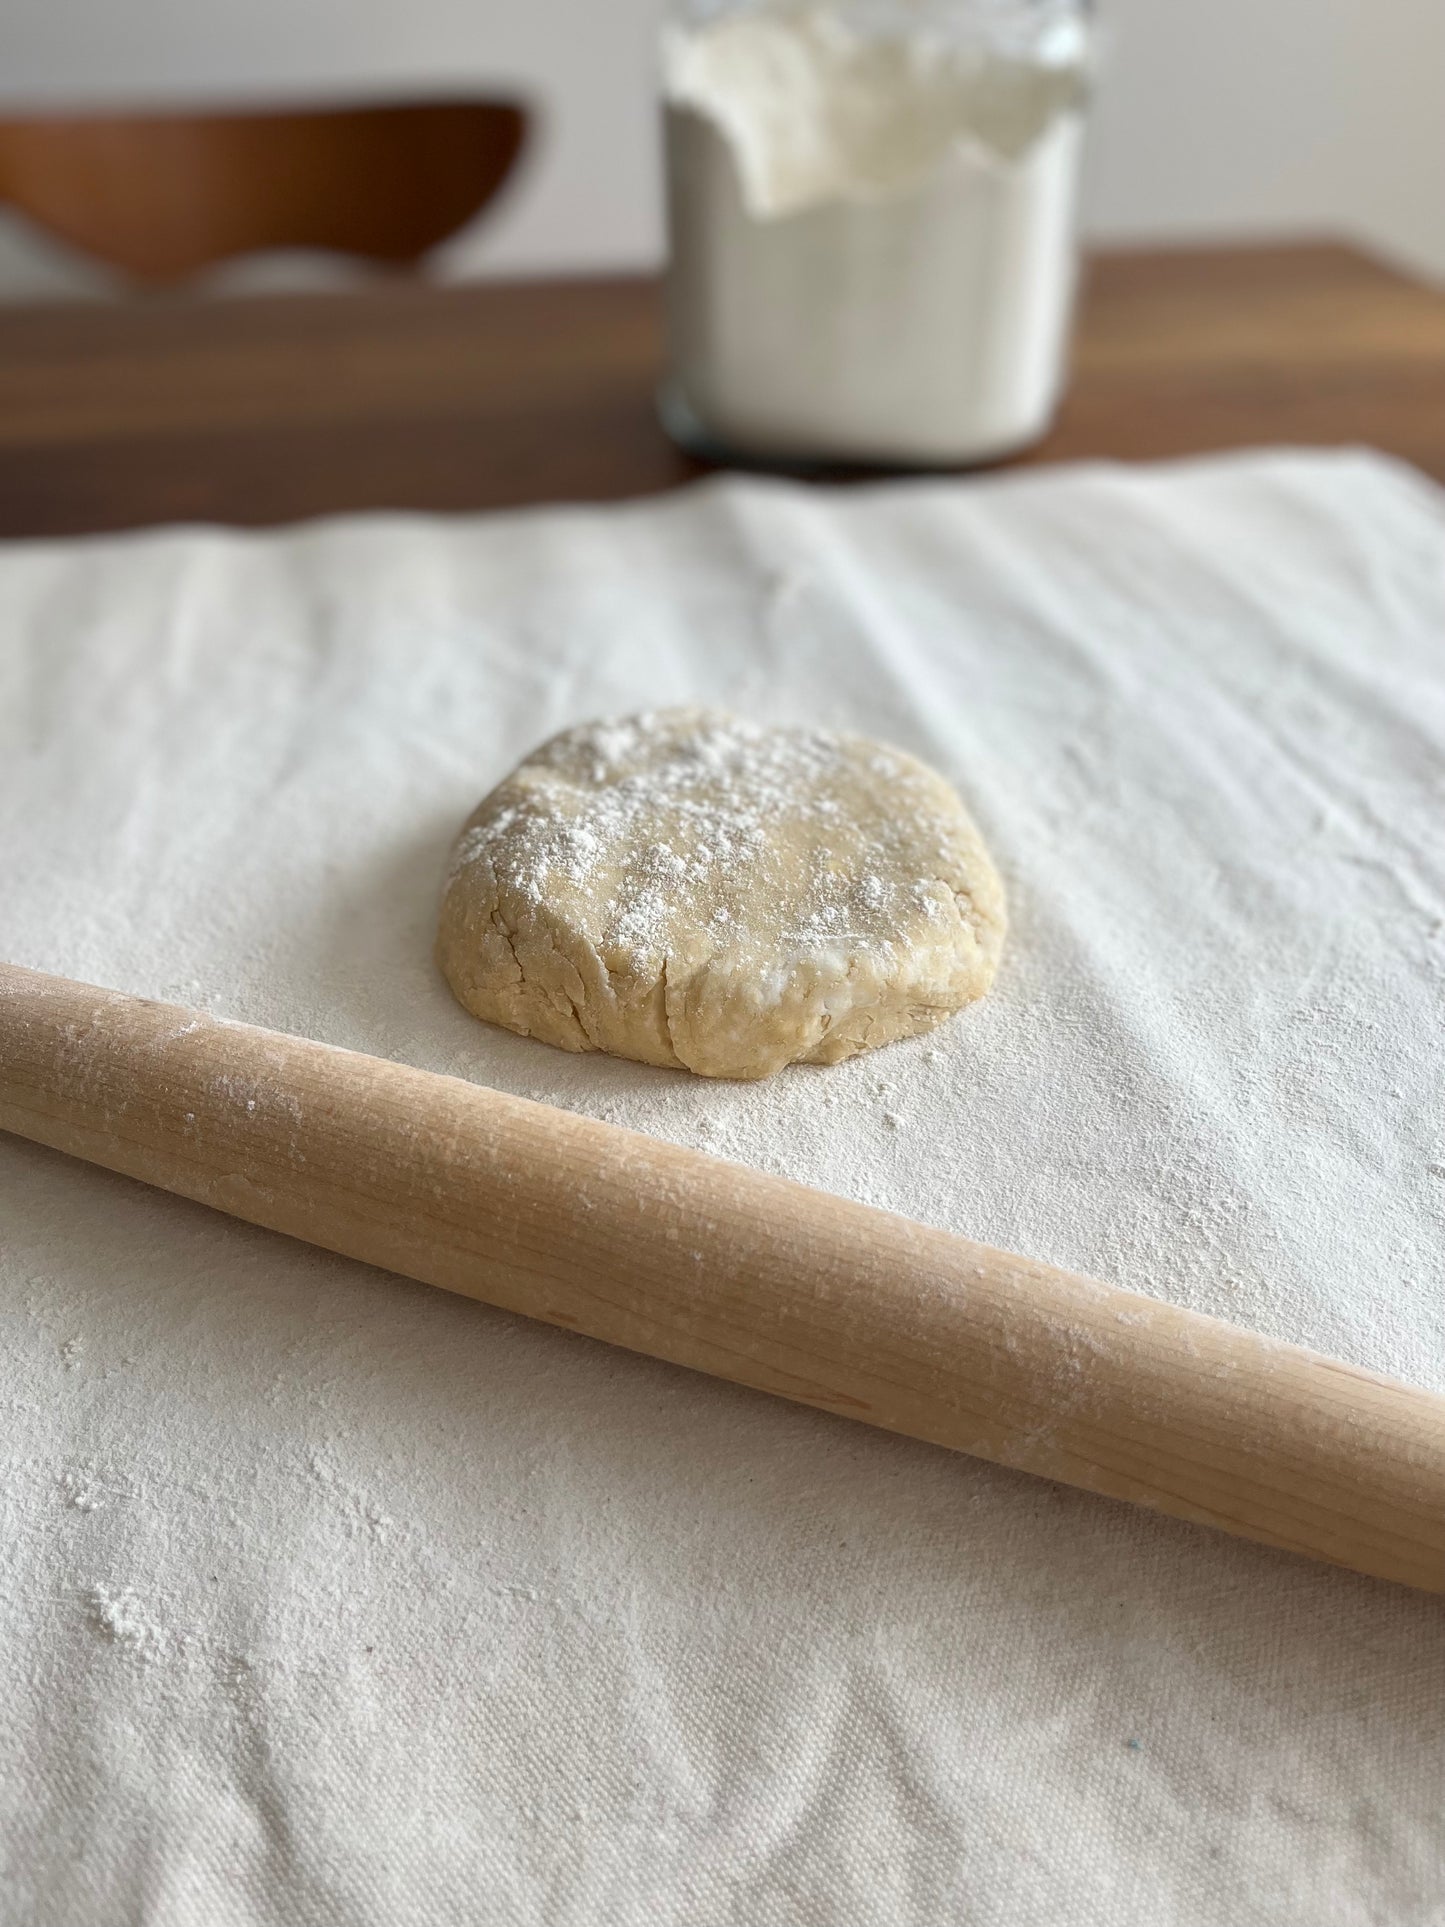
{"x":689,"y":889}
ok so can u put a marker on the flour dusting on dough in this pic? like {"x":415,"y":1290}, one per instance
{"x":687,"y":888}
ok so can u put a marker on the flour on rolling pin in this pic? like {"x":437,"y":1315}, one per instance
{"x":709,"y":1265}
{"x":692,"y":890}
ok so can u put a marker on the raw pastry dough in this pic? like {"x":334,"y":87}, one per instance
{"x":689,"y":889}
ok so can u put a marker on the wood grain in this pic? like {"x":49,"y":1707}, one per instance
{"x":257,"y":411}
{"x":732,"y":1272}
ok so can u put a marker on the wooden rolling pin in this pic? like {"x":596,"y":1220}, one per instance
{"x":748,"y":1277}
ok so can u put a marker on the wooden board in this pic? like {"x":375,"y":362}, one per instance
{"x":260,"y":410}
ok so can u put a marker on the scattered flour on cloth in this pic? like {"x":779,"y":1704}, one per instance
{"x":327,"y":1598}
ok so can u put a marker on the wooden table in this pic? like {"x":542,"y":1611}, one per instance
{"x":257,"y":411}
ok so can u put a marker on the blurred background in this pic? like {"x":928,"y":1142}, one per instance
{"x":1233,"y":119}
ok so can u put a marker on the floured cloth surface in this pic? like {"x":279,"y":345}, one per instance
{"x":327,"y":1598}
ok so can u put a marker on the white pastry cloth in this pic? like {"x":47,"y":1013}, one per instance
{"x":327,"y":1598}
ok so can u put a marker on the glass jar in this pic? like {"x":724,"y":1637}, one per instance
{"x":871,"y":216}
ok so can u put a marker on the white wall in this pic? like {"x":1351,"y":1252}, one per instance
{"x":1259,"y":116}
{"x":1216,"y":117}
